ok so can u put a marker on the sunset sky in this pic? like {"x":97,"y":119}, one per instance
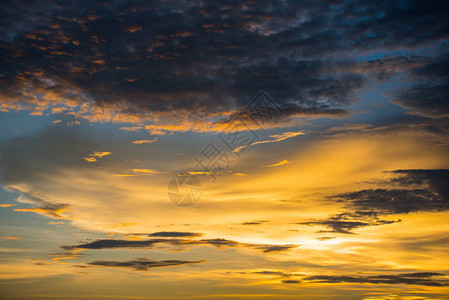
{"x":224,"y":150}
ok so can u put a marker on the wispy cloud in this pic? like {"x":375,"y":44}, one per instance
{"x":93,"y":157}
{"x":139,"y":172}
{"x":283,"y":162}
{"x":53,"y":210}
{"x":177,"y":239}
{"x":145,"y":141}
{"x":142,"y":264}
{"x":12,"y":238}
{"x":275,"y":138}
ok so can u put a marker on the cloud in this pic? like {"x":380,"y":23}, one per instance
{"x":124,"y":64}
{"x":145,"y":171}
{"x":416,"y":278}
{"x":349,"y":127}
{"x":275,"y":248}
{"x":71,"y":254}
{"x":419,"y":278}
{"x":171,"y":239}
{"x":325,"y":238}
{"x":411,"y":191}
{"x":418,"y":191}
{"x":275,"y":138}
{"x":145,"y":141}
{"x":93,"y":157}
{"x":142,"y":264}
{"x":139,"y":172}
{"x":429,"y":95}
{"x":12,"y":237}
{"x":273,"y":273}
{"x":348,"y":221}
{"x":53,"y":210}
{"x":260,"y":222}
{"x":283,"y":162}
{"x":291,"y":281}
{"x":174,"y":234}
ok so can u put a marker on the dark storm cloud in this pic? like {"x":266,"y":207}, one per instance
{"x":141,"y":264}
{"x":430,"y":95}
{"x":164,"y":242}
{"x":202,"y":57}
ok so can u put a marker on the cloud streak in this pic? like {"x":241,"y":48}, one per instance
{"x":142,"y":264}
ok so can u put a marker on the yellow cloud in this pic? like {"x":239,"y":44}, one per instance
{"x":6,"y":205}
{"x":12,"y":238}
{"x":283,"y":162}
{"x":93,"y":157}
{"x":145,"y":171}
{"x":145,"y":141}
{"x":276,"y":138}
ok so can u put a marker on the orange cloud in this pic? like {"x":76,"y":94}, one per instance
{"x":283,"y":162}
{"x":93,"y":157}
{"x":145,"y":141}
{"x":12,"y":238}
{"x":276,"y":138}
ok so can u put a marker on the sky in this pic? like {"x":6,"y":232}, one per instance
{"x":224,"y":150}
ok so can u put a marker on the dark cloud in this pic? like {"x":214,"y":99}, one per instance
{"x":174,"y":234}
{"x":275,"y":248}
{"x":260,"y":222}
{"x":325,"y":238}
{"x":410,"y":191}
{"x":150,"y":244}
{"x":430,"y":95}
{"x":273,"y":273}
{"x":348,"y":221}
{"x":149,"y":60}
{"x":141,"y":264}
{"x":417,"y":278}
{"x":420,"y":278}
{"x":291,"y":281}
{"x":420,"y":190}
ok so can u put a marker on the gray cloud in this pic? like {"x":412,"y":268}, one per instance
{"x":152,"y":243}
{"x":420,"y":190}
{"x":348,"y":221}
{"x":430,"y":95}
{"x":200,"y":57}
{"x":416,"y":278}
{"x":273,"y":273}
{"x":174,"y":234}
{"x":419,"y":278}
{"x":142,"y":264}
{"x":413,"y":191}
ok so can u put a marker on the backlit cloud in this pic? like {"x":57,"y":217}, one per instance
{"x":93,"y":157}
